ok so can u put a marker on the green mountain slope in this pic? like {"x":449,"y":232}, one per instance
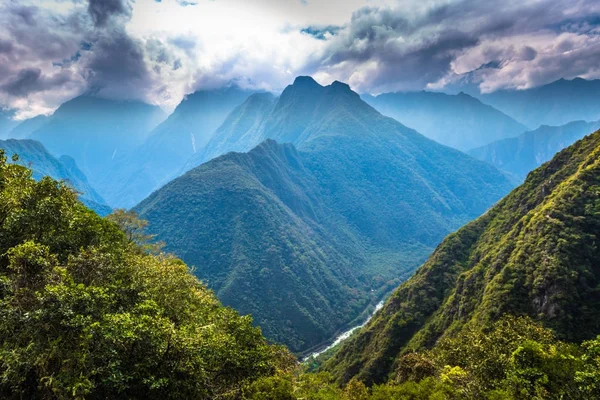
{"x":162,"y":155}
{"x":459,"y":121}
{"x":33,"y":155}
{"x":86,"y":313}
{"x":359,"y":196}
{"x":522,"y":154}
{"x":535,"y":253}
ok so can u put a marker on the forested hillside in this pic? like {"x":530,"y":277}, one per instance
{"x":533,"y":254}
{"x":85,"y":312}
{"x":304,"y":237}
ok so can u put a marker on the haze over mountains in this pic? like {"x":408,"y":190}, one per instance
{"x":458,"y":121}
{"x":354,"y":201}
{"x":95,"y":131}
{"x":556,"y":103}
{"x":167,"y":147}
{"x":533,"y":254}
{"x":33,"y":155}
{"x":524,"y":153}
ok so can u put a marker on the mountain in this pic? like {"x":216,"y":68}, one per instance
{"x":528,"y":151}
{"x":33,"y":155}
{"x":305,"y":235}
{"x":7,"y":122}
{"x":94,"y":131}
{"x":239,"y":132}
{"x":557,"y":103}
{"x":458,"y":121}
{"x":24,"y":129}
{"x":161,"y":157}
{"x":88,"y":313}
{"x":535,"y":254}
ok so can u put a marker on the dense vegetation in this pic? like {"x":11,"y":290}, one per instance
{"x":513,"y":359}
{"x":524,"y":153}
{"x":33,"y":155}
{"x":86,"y":312}
{"x":535,"y":254}
{"x":305,"y":237}
{"x":459,"y":121}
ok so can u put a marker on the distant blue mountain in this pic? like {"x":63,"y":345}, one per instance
{"x":458,"y":121}
{"x":162,"y":155}
{"x":95,"y":131}
{"x":523,"y":154}
{"x":333,"y":203}
{"x":33,"y":155}
{"x":25,"y":128}
{"x":557,"y":103}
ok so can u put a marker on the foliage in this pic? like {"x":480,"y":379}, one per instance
{"x":84,"y":313}
{"x":336,"y":207}
{"x":535,"y":253}
{"x":514,"y":359}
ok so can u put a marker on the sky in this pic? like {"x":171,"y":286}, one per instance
{"x":157,"y":51}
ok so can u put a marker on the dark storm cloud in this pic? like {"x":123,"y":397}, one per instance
{"x":88,"y":48}
{"x":29,"y":80}
{"x":102,"y":11}
{"x":406,"y":48}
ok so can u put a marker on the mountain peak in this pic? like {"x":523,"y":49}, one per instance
{"x":341,"y":86}
{"x":305,"y":81}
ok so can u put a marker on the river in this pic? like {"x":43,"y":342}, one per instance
{"x":345,"y":335}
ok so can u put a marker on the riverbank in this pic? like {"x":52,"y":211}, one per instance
{"x":344,"y":335}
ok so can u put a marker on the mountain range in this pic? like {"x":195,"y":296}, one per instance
{"x":458,"y":121}
{"x":524,"y":153}
{"x":94,"y":131}
{"x":554,"y":104}
{"x":535,"y":254}
{"x":33,"y":155}
{"x":332,"y":207}
{"x":163,"y":154}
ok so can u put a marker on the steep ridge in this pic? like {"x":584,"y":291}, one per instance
{"x":377,"y":197}
{"x":95,"y":131}
{"x":33,"y":155}
{"x":534,"y":254}
{"x":458,"y":121}
{"x":522,"y":154}
{"x":160,"y":158}
{"x":557,"y":103}
{"x":239,"y":132}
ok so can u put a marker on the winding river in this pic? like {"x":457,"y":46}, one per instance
{"x":345,"y":335}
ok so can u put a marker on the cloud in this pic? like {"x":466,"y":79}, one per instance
{"x":102,"y":11}
{"x":411,"y":48}
{"x":157,"y":51}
